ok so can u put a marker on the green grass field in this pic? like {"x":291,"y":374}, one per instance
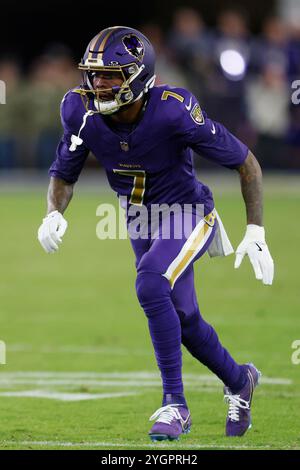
{"x":78,"y":344}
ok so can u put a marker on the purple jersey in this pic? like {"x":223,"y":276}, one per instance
{"x":151,"y":164}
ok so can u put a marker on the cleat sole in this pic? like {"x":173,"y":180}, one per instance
{"x":165,"y":437}
{"x":162,"y":437}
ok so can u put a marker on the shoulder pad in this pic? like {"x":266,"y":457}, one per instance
{"x":180,"y":102}
{"x":72,"y":109}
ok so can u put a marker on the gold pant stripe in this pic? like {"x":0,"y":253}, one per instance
{"x":193,"y":248}
{"x":185,"y":261}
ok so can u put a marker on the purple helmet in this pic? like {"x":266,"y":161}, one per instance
{"x":119,"y":49}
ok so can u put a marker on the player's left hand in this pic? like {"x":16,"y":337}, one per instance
{"x":254,"y":245}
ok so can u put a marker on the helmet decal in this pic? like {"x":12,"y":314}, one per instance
{"x":134,"y":46}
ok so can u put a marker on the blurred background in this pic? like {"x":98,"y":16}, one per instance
{"x":239,"y":58}
{"x":71,"y":322}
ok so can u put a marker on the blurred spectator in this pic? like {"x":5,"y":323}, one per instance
{"x":225,"y":97}
{"x":50,"y":77}
{"x":290,"y":11}
{"x":190,"y":43}
{"x":268,"y":106}
{"x":242,"y":80}
{"x":293,"y":55}
{"x":166,"y":70}
{"x":271,"y":46}
{"x":10,"y":74}
{"x":293,"y":135}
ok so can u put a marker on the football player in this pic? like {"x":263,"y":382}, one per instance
{"x":144,"y":136}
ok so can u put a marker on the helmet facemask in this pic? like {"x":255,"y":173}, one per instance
{"x":122,"y":95}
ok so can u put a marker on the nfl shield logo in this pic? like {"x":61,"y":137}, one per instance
{"x":124,"y":146}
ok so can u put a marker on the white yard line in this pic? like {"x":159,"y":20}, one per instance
{"x":79,"y":382}
{"x":75,"y":396}
{"x":73,"y":349}
{"x":139,"y":378}
{"x":44,"y":384}
{"x":130,"y":445}
{"x":65,"y":396}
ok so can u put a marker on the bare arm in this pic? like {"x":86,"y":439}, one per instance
{"x":254,"y":243}
{"x":251,"y":186}
{"x":59,"y":195}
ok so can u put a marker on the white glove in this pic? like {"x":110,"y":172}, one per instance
{"x":254,"y":245}
{"x":51,"y":231}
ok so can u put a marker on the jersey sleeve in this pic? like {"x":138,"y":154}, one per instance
{"x":209,"y":138}
{"x":68,"y":164}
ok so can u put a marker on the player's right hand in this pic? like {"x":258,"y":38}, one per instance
{"x":51,"y":231}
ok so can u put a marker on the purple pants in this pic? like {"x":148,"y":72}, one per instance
{"x":166,"y":292}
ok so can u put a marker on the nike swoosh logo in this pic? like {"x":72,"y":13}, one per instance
{"x":213,"y":129}
{"x":259,"y":247}
{"x":185,"y":422}
{"x":189,"y":105}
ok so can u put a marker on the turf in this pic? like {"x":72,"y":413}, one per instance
{"x":76,"y":312}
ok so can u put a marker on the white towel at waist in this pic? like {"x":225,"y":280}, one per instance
{"x":220,"y":246}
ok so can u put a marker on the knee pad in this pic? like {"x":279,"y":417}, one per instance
{"x":151,"y":287}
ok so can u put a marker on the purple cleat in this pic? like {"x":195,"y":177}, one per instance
{"x":239,"y":417}
{"x":171,"y":421}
